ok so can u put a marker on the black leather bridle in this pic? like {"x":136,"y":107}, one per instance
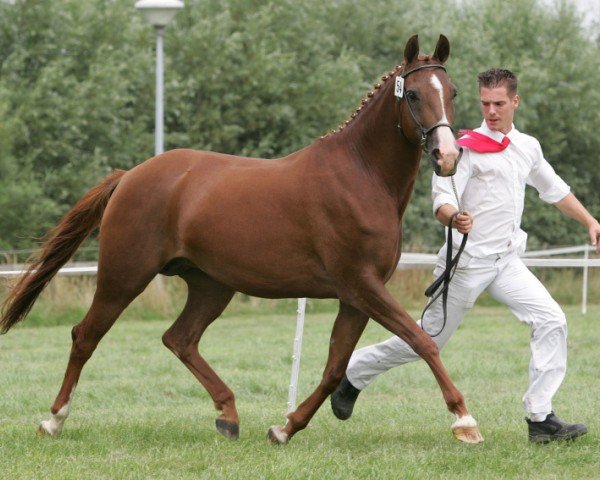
{"x":425,"y":132}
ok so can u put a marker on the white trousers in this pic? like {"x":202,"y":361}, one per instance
{"x":509,"y":281}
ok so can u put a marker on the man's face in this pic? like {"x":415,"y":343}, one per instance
{"x":498,"y":108}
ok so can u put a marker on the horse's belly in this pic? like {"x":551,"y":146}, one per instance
{"x":268,"y":279}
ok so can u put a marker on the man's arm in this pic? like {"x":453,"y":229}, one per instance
{"x":463,"y":222}
{"x":573,"y":208}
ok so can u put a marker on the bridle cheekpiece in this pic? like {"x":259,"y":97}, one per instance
{"x":399,"y":92}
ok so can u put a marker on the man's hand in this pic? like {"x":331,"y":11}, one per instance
{"x":595,"y":236}
{"x":463,"y":222}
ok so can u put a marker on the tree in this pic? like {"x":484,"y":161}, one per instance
{"x":264,"y":78}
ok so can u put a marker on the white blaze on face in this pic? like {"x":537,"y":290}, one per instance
{"x":445,"y":137}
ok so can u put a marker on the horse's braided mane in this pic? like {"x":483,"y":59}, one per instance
{"x":365,"y":101}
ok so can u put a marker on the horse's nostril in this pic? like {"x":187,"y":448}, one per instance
{"x":436,"y":153}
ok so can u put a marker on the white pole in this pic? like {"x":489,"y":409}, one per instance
{"x":586,"y":257}
{"x":159,"y":13}
{"x":159,"y":125}
{"x":296,"y":355}
{"x":159,"y":116}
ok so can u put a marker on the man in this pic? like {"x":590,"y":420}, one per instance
{"x":497,"y":163}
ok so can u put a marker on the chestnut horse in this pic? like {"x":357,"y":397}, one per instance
{"x":323,"y":222}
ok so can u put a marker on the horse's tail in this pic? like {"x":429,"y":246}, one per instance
{"x":60,"y":245}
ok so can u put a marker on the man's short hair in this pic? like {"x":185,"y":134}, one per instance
{"x":498,"y":77}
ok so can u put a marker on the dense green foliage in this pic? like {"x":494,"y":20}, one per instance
{"x":265,"y":78}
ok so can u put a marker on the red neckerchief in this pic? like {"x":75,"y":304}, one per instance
{"x":481,"y":143}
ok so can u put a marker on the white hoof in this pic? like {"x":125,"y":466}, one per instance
{"x":54,"y":426}
{"x":465,"y":429}
{"x":50,"y":427}
{"x":277,"y":435}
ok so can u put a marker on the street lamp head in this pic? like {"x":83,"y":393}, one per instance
{"x":159,"y":12}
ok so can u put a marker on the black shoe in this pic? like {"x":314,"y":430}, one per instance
{"x":553,"y":428}
{"x":343,"y":399}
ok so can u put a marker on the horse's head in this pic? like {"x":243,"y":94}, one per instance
{"x":426,"y":114}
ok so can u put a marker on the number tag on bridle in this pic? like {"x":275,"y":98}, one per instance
{"x":399,"y":90}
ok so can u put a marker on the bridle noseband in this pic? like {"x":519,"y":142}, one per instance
{"x":424,"y":131}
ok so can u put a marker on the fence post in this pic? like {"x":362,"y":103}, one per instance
{"x":586,"y":257}
{"x":296,"y":356}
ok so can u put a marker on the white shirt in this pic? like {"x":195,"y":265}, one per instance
{"x":491,"y":186}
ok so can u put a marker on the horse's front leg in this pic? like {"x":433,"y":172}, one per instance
{"x":373,"y":298}
{"x":347,"y":329}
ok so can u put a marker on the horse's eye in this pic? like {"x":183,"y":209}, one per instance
{"x":454,"y":93}
{"x":412,"y":95}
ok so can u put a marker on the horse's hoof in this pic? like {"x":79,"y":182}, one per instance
{"x":277,"y":436}
{"x":468,"y":434}
{"x":228,"y":429}
{"x":465,"y":429}
{"x":47,"y":428}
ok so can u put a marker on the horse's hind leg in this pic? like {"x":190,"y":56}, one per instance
{"x":206,"y":300}
{"x":347,"y":329}
{"x":110,"y":299}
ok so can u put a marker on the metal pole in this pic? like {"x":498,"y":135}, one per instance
{"x":158,"y":120}
{"x":586,"y":257}
{"x":159,"y":116}
{"x":296,"y":355}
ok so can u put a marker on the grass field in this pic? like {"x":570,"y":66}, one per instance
{"x":139,"y":414}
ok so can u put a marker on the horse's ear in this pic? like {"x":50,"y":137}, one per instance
{"x":442,"y":49}
{"x":411,"y":51}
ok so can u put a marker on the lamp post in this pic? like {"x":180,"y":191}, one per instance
{"x":159,"y":13}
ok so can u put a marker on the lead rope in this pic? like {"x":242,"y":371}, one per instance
{"x":446,"y":277}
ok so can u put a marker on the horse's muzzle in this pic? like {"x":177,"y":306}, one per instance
{"x":437,"y":168}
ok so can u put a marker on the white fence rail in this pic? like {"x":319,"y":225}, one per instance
{"x":76,"y":269}
{"x":531,"y":259}
{"x":409,"y":261}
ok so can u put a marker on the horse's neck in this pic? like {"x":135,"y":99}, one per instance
{"x":373,"y":140}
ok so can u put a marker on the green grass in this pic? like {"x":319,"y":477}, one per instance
{"x":139,"y":414}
